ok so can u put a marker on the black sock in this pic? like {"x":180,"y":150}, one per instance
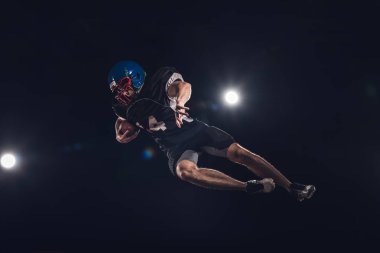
{"x":297,"y":186}
{"x":253,"y":186}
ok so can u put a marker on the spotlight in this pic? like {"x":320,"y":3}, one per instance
{"x":8,"y":161}
{"x":231,"y":97}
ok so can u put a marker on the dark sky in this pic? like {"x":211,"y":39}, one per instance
{"x":309,"y":73}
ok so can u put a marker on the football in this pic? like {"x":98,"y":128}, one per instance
{"x":124,"y":125}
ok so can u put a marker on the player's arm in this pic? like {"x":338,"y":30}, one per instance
{"x":123,"y":132}
{"x":180,"y":90}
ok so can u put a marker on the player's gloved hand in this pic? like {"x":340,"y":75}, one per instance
{"x":125,"y":131}
{"x":180,"y":112}
{"x":126,"y":137}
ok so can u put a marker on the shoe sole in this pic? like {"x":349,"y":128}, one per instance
{"x":311,"y":191}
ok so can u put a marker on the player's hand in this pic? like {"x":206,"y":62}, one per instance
{"x":124,"y":138}
{"x":180,"y":112}
{"x":125,"y":131}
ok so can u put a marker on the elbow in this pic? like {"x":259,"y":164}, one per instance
{"x":184,"y":85}
{"x":180,"y":90}
{"x":187,"y":85}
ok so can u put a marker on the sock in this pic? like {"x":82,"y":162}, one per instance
{"x":253,"y":186}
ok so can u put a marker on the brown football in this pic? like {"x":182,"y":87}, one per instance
{"x":125,"y":125}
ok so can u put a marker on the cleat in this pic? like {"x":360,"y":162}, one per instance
{"x":301,"y":192}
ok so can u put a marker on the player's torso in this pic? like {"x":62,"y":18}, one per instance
{"x":154,"y":112}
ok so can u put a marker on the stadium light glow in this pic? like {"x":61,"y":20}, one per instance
{"x":231,"y":97}
{"x":8,"y":161}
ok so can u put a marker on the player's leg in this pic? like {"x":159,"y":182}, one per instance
{"x":207,"y":178}
{"x":258,"y":165}
{"x":220,"y":143}
{"x":263,"y":168}
{"x":213,"y":179}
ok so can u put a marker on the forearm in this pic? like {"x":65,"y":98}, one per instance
{"x":184,"y":93}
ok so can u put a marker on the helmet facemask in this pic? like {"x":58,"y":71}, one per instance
{"x":126,"y":79}
{"x":124,"y":91}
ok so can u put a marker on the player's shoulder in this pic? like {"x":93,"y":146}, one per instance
{"x":164,"y":72}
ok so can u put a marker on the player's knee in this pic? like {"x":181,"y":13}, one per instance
{"x":186,"y":170}
{"x":235,"y":152}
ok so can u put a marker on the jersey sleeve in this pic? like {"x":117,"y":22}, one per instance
{"x":157,"y":86}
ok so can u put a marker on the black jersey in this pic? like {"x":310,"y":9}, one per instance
{"x":154,"y":111}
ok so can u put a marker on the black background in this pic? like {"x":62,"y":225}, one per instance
{"x":309,"y":76}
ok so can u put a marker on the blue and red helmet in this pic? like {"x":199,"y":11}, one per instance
{"x":126,"y":79}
